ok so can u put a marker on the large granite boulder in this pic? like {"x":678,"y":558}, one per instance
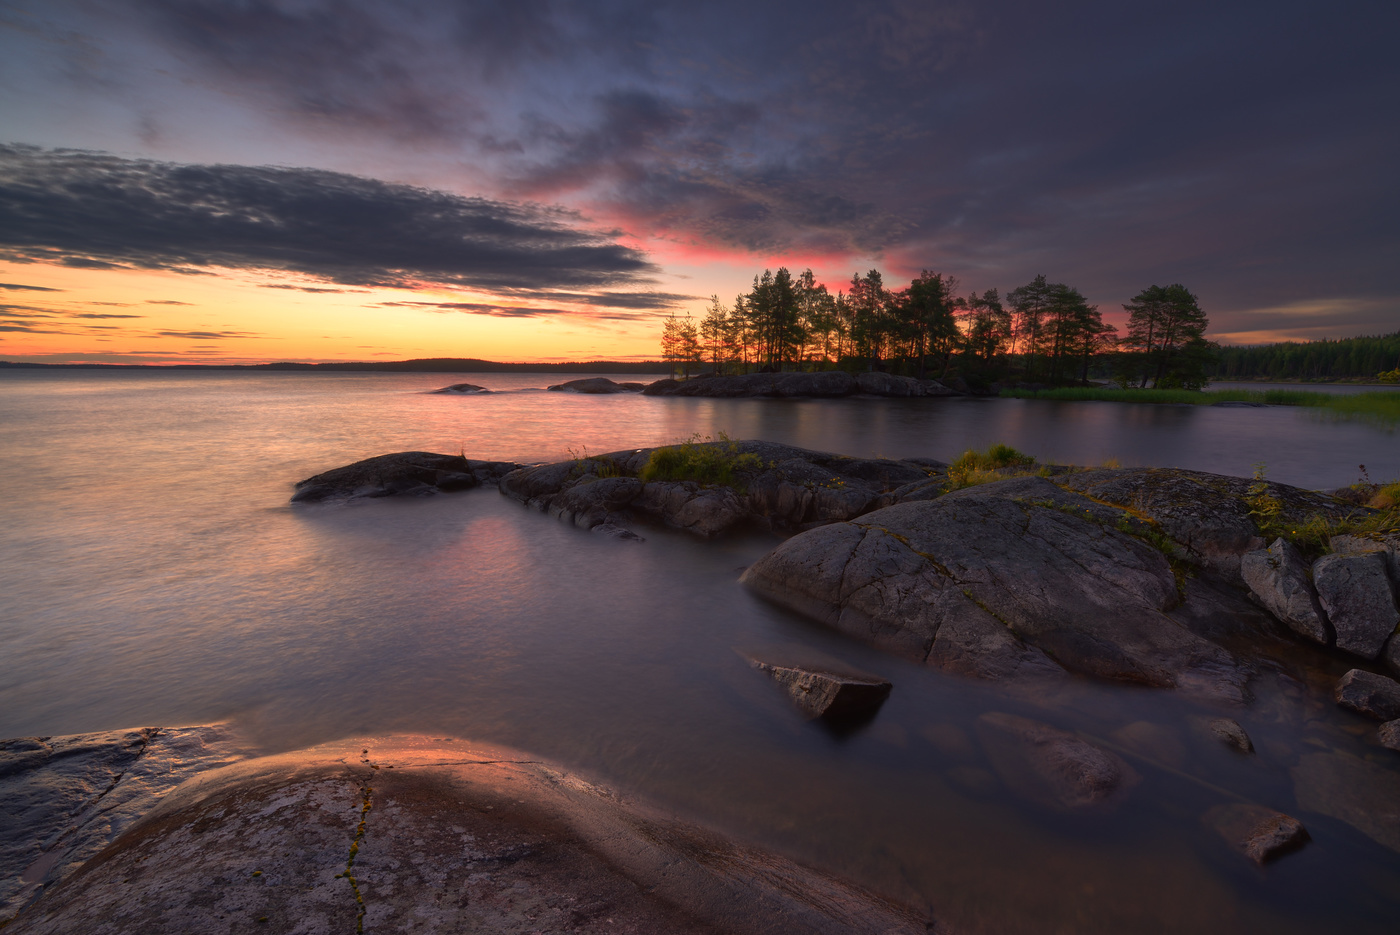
{"x":417,"y":834}
{"x":1388,"y":544}
{"x":1356,"y":592}
{"x":1369,"y":694}
{"x":410,"y":473}
{"x":1015,"y":575}
{"x":1278,"y":577}
{"x":1207,"y":515}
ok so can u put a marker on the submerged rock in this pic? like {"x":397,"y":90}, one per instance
{"x":1350,"y":789}
{"x":1369,"y":694}
{"x":1389,"y":735}
{"x":411,"y":473}
{"x":441,"y":836}
{"x":837,"y":696}
{"x":1228,"y":731}
{"x":1356,"y":592}
{"x":1259,"y":833}
{"x":1052,"y":767}
{"x":1018,"y":572}
{"x":1278,"y":576}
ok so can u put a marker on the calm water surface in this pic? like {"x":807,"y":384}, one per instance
{"x":152,"y":572}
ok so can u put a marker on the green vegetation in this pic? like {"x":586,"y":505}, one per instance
{"x":1381,"y":405}
{"x":981,"y":467}
{"x":703,"y":460}
{"x":1312,"y":534}
{"x":1370,"y":357}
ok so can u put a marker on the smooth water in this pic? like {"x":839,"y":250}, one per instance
{"x":153,"y":572}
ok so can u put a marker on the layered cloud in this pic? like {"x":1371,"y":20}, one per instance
{"x":94,"y":210}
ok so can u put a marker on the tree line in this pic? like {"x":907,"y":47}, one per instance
{"x":1041,"y":331}
{"x":1360,"y":358}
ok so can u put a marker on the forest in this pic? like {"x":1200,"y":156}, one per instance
{"x":1364,"y":358}
{"x":1041,"y":331}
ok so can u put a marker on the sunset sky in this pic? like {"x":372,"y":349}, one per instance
{"x":225,"y":181}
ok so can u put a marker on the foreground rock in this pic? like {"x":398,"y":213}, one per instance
{"x":775,"y":486}
{"x":1259,"y":833}
{"x":64,"y":799}
{"x":1369,"y":694}
{"x":836,"y":696}
{"x":1016,"y":578}
{"x":823,"y":385}
{"x":1279,"y":577}
{"x":1052,"y":767}
{"x":596,"y":386}
{"x":413,"y":834}
{"x":406,"y":473}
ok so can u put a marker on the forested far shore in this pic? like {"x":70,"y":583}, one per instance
{"x":424,"y":365}
{"x":1039,"y":332}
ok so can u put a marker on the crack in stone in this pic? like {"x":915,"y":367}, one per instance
{"x":366,"y":792}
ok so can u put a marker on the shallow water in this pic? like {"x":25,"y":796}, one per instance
{"x":152,"y":572}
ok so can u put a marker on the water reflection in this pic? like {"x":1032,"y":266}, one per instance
{"x":153,"y":573}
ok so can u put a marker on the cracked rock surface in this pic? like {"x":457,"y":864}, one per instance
{"x":1017,"y":577}
{"x":457,"y":837}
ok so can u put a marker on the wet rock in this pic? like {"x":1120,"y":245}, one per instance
{"x":1259,"y":833}
{"x":1356,"y":592}
{"x":1155,"y":742}
{"x":703,"y":511}
{"x":614,"y":531}
{"x":593,"y":500}
{"x":1206,"y":514}
{"x":1052,"y":767}
{"x":1228,"y":731}
{"x":1278,"y":576}
{"x":63,"y":799}
{"x":1019,"y":572}
{"x":456,"y":837}
{"x":595,"y":385}
{"x":463,"y":389}
{"x":833,"y":695}
{"x":1389,"y":734}
{"x":1350,"y":789}
{"x":1369,"y":694}
{"x":411,"y":473}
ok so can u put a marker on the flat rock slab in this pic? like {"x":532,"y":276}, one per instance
{"x":837,"y":696}
{"x":1356,"y":592}
{"x":1052,"y":767}
{"x":405,"y":473}
{"x":1369,"y":694}
{"x":64,"y":799}
{"x":1259,"y":833}
{"x":419,"y":834}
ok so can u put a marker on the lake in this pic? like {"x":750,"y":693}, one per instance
{"x":152,"y":572}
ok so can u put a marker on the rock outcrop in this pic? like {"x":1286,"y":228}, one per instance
{"x":463,"y":389}
{"x":826,"y":384}
{"x":1017,"y":577}
{"x":773,"y":485}
{"x":596,"y":386}
{"x":1278,"y":577}
{"x":406,"y":473}
{"x":412,"y":833}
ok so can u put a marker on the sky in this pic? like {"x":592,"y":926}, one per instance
{"x":259,"y":180}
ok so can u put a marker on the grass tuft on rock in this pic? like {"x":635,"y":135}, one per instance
{"x":702,"y":460}
{"x":982,"y":467}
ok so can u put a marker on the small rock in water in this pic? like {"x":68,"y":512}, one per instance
{"x":1355,"y":591}
{"x":1260,"y":833}
{"x":1390,"y":735}
{"x":463,"y":389}
{"x":1370,"y":694}
{"x":615,"y":531}
{"x":1229,"y":732}
{"x":831,"y":695}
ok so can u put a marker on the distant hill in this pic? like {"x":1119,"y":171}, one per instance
{"x":424,"y":365}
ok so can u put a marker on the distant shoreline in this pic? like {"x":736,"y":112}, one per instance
{"x":428,"y":365}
